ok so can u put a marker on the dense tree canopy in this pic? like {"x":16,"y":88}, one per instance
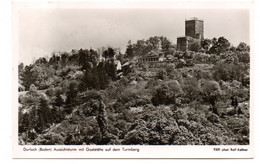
{"x":219,"y":46}
{"x":81,"y":97}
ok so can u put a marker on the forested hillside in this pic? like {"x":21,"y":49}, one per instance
{"x":198,"y":97}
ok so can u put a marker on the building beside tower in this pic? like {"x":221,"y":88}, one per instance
{"x":194,"y":33}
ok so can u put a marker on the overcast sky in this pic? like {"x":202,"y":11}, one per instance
{"x":43,"y":31}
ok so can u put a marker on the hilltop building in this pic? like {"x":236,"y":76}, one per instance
{"x":194,"y":33}
{"x":151,"y":58}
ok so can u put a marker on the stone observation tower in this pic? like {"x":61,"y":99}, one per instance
{"x":194,"y":32}
{"x":194,"y":28}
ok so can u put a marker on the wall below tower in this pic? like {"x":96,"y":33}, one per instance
{"x":182,"y":44}
{"x":188,"y":43}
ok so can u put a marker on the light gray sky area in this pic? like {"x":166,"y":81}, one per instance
{"x":42,"y":31}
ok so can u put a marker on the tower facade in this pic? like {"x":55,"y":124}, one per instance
{"x":194,"y":28}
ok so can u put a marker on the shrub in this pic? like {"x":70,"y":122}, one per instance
{"x":49,"y":138}
{"x":162,"y":74}
{"x":166,"y":93}
{"x":190,"y":89}
{"x":244,"y":57}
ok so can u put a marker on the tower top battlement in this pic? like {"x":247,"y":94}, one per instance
{"x":194,"y":19}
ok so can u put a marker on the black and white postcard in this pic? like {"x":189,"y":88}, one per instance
{"x":132,"y":80}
